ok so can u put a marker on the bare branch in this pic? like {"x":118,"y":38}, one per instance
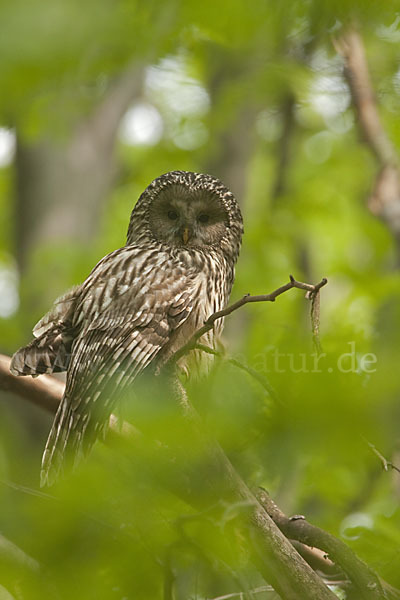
{"x":386,"y":464}
{"x":364,"y":580}
{"x":351,"y":48}
{"x":384,"y":201}
{"x":208,"y":325}
{"x":262,"y":380}
{"x":45,"y":391}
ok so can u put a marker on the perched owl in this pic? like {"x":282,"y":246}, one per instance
{"x":138,"y":306}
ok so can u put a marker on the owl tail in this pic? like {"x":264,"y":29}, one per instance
{"x":64,"y":446}
{"x":48,"y":353}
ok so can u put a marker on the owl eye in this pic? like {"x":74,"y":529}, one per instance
{"x":172,"y":214}
{"x":204,"y":218}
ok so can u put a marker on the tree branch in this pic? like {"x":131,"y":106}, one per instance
{"x":209,"y":324}
{"x":384,"y":201}
{"x":366,"y":583}
{"x":351,"y":48}
{"x":45,"y":391}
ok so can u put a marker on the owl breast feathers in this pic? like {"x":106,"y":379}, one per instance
{"x":138,"y":306}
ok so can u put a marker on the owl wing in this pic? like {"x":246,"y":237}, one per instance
{"x":129,"y":307}
{"x":49,"y":351}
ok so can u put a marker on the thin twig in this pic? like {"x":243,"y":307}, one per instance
{"x":208,"y":350}
{"x":239,"y":365}
{"x":209,"y":324}
{"x":386,"y":464}
{"x":262,"y":380}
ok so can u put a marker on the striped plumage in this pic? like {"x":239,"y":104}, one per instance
{"x":137,"y":307}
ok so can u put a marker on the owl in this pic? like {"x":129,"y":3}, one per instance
{"x":138,"y":306}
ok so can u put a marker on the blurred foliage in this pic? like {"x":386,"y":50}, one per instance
{"x":254,"y":93}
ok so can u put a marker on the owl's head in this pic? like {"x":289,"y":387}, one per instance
{"x":185,"y":209}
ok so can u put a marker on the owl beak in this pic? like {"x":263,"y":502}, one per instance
{"x":185,"y":235}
